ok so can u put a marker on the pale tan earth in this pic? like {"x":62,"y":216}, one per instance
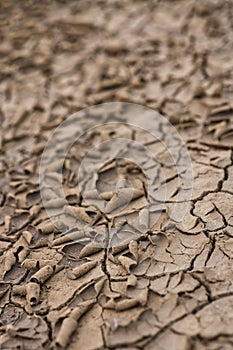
{"x":166,"y":289}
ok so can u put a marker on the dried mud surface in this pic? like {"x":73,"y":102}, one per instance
{"x":161,"y":291}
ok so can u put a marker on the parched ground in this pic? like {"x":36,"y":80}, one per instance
{"x":164,"y":290}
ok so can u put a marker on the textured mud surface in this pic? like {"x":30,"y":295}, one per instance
{"x":162,"y":290}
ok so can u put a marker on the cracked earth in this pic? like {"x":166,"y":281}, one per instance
{"x":162,"y":289}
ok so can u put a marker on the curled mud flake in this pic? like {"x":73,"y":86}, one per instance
{"x":29,"y":264}
{"x":70,"y":323}
{"x":33,"y":198}
{"x":29,"y":168}
{"x":43,"y":274}
{"x":142,"y":267}
{"x":39,"y":242}
{"x":123,"y":197}
{"x":34,"y":211}
{"x":127,"y":263}
{"x":126,"y":304}
{"x":138,"y":291}
{"x":73,"y":199}
{"x":5,"y":244}
{"x":107,"y":302}
{"x":77,"y":212}
{"x":144,"y":219}
{"x":4,"y":287}
{"x":19,"y":290}
{"x":20,"y":117}
{"x":19,"y":220}
{"x":81,"y":270}
{"x":20,"y":187}
{"x":119,"y":248}
{"x":100,"y":284}
{"x":121,"y":238}
{"x":15,"y":275}
{"x":107,"y":196}
{"x":89,"y":249}
{"x":27,"y":235}
{"x":10,"y":260}
{"x":186,"y":284}
{"x":214,"y":90}
{"x":198,"y":91}
{"x":80,"y":22}
{"x":68,"y":237}
{"x":131,"y":281}
{"x":142,"y":297}
{"x":55,"y":167}
{"x":32,"y":293}
{"x":7,"y":220}
{"x":222,"y":110}
{"x":112,"y":258}
{"x":57,"y":203}
{"x":22,"y":254}
{"x":81,"y":309}
{"x":48,"y":193}
{"x":219,"y":129}
{"x":11,"y":200}
{"x":133,"y":248}
{"x":52,"y":177}
{"x":49,"y":227}
{"x":46,"y":262}
{"x":72,"y":250}
{"x":160,"y":240}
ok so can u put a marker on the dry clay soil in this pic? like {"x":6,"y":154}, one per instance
{"x":166,"y":289}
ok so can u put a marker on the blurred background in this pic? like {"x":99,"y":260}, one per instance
{"x":58,"y":57}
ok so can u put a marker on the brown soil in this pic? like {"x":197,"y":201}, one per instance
{"x":164,"y":290}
